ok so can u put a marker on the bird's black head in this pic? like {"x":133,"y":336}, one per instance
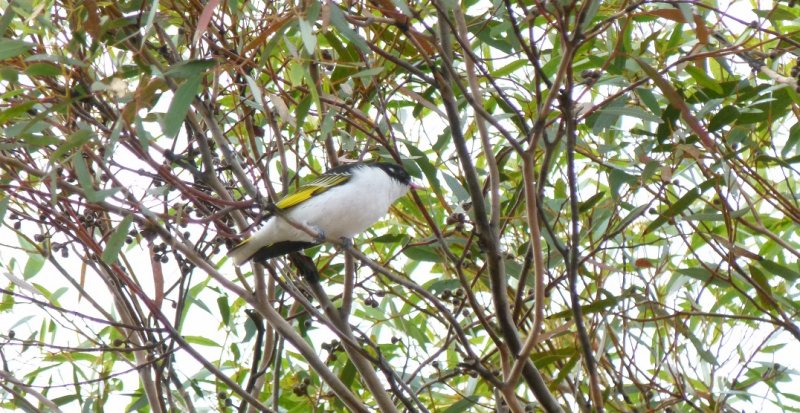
{"x":395,"y":171}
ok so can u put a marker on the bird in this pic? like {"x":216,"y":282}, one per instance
{"x":339,"y":204}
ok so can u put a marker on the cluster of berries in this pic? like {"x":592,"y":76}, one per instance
{"x":590,"y":76}
{"x":160,"y":253}
{"x":456,"y":298}
{"x":372,"y":302}
{"x":332,"y":348}
{"x":301,"y":389}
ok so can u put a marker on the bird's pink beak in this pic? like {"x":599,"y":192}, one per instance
{"x":414,"y":185}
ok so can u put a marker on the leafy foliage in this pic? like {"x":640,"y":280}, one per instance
{"x":610,"y":221}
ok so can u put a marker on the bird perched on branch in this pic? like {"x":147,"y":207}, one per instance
{"x":340,"y":203}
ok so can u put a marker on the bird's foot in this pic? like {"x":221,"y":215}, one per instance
{"x":320,"y":238}
{"x":346,"y":242}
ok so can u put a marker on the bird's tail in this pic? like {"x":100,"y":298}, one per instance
{"x":257,"y":250}
{"x":244,"y":251}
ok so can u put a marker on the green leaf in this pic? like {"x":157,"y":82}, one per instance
{"x":301,"y":110}
{"x":75,"y":140}
{"x":13,"y":47}
{"x":112,"y":141}
{"x":595,"y":307}
{"x":7,"y":301}
{"x":510,"y":68}
{"x":725,"y":116}
{"x":564,"y":371}
{"x":56,"y":59}
{"x":340,"y":23}
{"x":425,"y":166}
{"x":460,"y":193}
{"x":649,"y":99}
{"x":224,"y":309}
{"x":676,"y":100}
{"x":16,"y":111}
{"x":614,"y":112}
{"x":201,"y":341}
{"x":780,"y":270}
{"x":60,"y":401}
{"x":762,"y":281}
{"x":9,"y":74}
{"x":602,"y":120}
{"x":700,"y":347}
{"x":87,"y":183}
{"x":702,"y":79}
{"x":83,"y":175}
{"x":307,"y":34}
{"x":422,"y":253}
{"x":704,"y":275}
{"x":179,"y":106}
{"x":4,"y":207}
{"x":33,"y":265}
{"x":89,"y":405}
{"x":777,"y":13}
{"x":56,"y":295}
{"x":258,"y":97}
{"x":680,"y":205}
{"x":792,"y":141}
{"x":636,"y":213}
{"x":348,"y":374}
{"x":8,"y":16}
{"x":545,"y":358}
{"x":497,"y":38}
{"x":39,"y":141}
{"x":588,"y":15}
{"x":591,"y":202}
{"x":116,"y":241}
{"x":369,"y":72}
{"x":43,"y":69}
{"x":390,"y":239}
{"x":190,"y":69}
{"x":439,"y":285}
{"x":617,"y":178}
{"x":250,"y":330}
{"x":460,"y":406}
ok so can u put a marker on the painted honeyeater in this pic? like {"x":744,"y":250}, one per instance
{"x":340,"y":203}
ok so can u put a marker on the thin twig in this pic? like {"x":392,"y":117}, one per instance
{"x":572,"y":264}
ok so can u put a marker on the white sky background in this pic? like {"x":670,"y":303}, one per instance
{"x":203,"y":324}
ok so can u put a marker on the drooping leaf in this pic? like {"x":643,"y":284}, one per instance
{"x":340,"y":23}
{"x":179,"y":106}
{"x":13,"y":47}
{"x":462,"y":405}
{"x":224,"y":309}
{"x":422,"y":253}
{"x":116,"y":241}
{"x":190,"y":68}
{"x":597,"y":306}
{"x":780,"y":270}
{"x":78,"y":138}
{"x":201,"y":341}
{"x":680,"y":205}
{"x":725,"y":116}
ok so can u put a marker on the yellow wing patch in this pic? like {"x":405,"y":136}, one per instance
{"x":317,"y":186}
